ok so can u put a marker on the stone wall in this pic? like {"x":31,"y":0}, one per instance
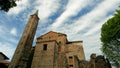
{"x":45,"y":55}
{"x":75,"y":49}
{"x":56,"y":54}
{"x":95,"y":62}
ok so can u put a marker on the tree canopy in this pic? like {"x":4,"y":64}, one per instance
{"x":110,"y":38}
{"x":5,"y":5}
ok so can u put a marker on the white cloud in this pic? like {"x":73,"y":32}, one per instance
{"x":73,"y":7}
{"x":96,"y":27}
{"x":92,"y":20}
{"x":6,"y":45}
{"x":13,"y":31}
{"x":92,"y":45}
{"x":7,"y":49}
{"x":6,"y":33}
{"x":21,"y":5}
{"x":97,"y":14}
{"x":46,"y":8}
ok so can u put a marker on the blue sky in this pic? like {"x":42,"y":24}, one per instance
{"x":79,"y":19}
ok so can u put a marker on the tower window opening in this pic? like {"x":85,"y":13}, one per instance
{"x":70,"y":57}
{"x":71,"y":65}
{"x":45,"y":47}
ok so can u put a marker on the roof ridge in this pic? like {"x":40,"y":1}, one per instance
{"x":53,"y":32}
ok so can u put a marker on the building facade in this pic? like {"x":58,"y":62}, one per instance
{"x":53,"y":50}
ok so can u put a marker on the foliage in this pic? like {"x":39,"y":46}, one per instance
{"x":5,"y":5}
{"x":110,"y":38}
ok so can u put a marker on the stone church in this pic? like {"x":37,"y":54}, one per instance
{"x":52,"y":50}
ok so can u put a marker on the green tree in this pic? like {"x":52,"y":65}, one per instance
{"x":110,"y":38}
{"x":5,"y":5}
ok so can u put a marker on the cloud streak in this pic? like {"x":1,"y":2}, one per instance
{"x":97,"y":14}
{"x":46,"y":8}
{"x":92,"y":21}
{"x":13,"y":31}
{"x":7,"y":49}
{"x":72,"y":9}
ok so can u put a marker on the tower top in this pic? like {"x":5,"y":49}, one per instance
{"x":36,"y":12}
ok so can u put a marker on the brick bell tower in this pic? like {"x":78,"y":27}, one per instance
{"x":23,"y":49}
